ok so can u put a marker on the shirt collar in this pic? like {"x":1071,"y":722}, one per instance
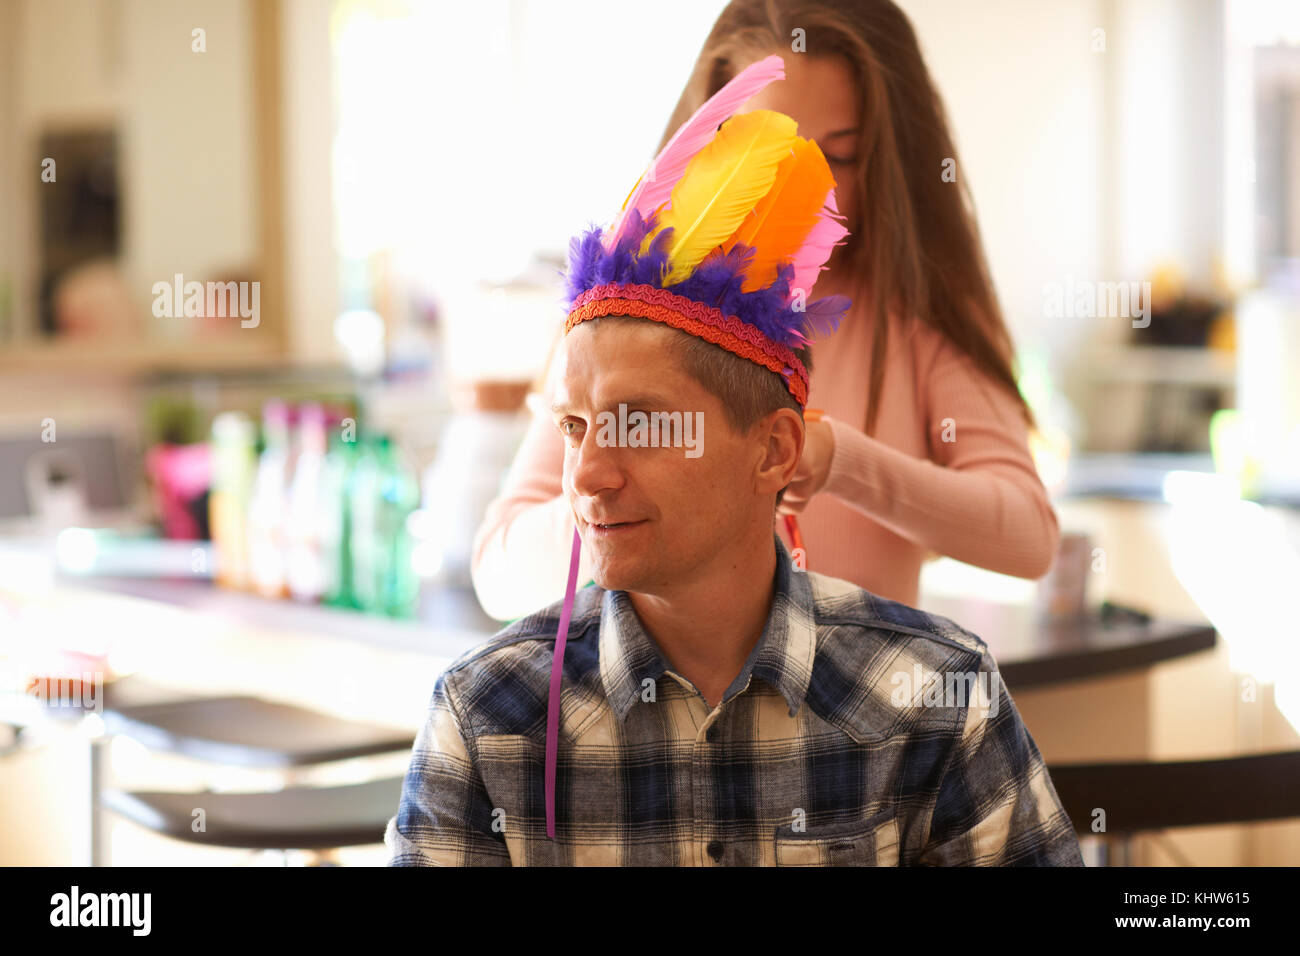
{"x":783,"y":656}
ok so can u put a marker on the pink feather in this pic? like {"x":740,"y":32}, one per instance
{"x":666,"y":169}
{"x":816,"y":249}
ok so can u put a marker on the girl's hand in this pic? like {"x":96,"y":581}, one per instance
{"x":813,"y":469}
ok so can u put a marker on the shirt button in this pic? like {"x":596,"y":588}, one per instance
{"x":715,"y":849}
{"x":711,"y":734}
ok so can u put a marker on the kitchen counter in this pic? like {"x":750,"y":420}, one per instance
{"x":1140,"y":476}
{"x":1033,"y":651}
{"x":448,"y":623}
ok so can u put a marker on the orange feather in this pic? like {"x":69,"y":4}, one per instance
{"x":783,"y":218}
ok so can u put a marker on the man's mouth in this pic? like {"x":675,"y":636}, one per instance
{"x":612,"y":527}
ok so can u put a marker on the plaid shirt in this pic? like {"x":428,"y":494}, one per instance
{"x":829,"y":748}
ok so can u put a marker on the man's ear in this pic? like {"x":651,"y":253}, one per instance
{"x":781,"y":435}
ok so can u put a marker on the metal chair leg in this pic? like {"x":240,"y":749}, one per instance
{"x":1119,"y":850}
{"x":98,"y":837}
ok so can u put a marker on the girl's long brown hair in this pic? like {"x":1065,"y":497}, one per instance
{"x":916,"y":248}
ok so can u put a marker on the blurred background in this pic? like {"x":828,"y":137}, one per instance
{"x":276,"y":277}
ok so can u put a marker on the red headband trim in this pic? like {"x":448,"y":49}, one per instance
{"x":695,"y":318}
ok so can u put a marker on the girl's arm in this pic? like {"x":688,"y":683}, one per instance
{"x":521,"y":551}
{"x":979,"y":500}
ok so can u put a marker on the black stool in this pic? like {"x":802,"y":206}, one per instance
{"x":246,"y":732}
{"x":1143,"y":796}
{"x":250,"y":732}
{"x":296,"y":818}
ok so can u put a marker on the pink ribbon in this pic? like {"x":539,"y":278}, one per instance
{"x":557,"y":672}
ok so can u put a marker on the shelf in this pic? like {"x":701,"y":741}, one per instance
{"x":1169,"y":364}
{"x":119,"y":358}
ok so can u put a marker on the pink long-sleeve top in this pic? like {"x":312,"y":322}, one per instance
{"x":948,"y":471}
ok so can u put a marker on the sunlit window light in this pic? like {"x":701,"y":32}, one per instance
{"x":1234,"y":560}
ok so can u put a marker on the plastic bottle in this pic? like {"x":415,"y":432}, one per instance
{"x":267,"y":539}
{"x":305,"y":571}
{"x":234,"y":460}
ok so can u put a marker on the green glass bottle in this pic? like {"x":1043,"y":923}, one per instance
{"x":336,"y":521}
{"x":365,"y":548}
{"x":399,"y":588}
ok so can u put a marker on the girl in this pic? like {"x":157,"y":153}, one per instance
{"x":923,"y":444}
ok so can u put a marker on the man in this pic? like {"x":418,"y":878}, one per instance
{"x":722,"y":707}
{"x":717,"y":704}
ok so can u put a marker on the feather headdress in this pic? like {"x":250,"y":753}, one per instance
{"x":722,"y":237}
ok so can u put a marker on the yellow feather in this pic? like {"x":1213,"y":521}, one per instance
{"x":783,"y":218}
{"x":631,"y":191}
{"x":722,"y":185}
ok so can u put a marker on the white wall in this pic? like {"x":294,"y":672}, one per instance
{"x":8,"y":173}
{"x":1169,"y":137}
{"x":1025,"y":96}
{"x":311,"y":253}
{"x":185,"y":130}
{"x":1099,"y":165}
{"x":188,"y":144}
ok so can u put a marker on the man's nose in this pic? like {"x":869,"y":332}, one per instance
{"x":594,"y":468}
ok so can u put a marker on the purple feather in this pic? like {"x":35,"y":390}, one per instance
{"x":717,"y":281}
{"x":823,"y":316}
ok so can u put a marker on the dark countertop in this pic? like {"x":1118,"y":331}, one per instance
{"x":1032,"y":651}
{"x":1140,"y":476}
{"x":449,"y":621}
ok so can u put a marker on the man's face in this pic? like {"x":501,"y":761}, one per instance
{"x":671,"y":513}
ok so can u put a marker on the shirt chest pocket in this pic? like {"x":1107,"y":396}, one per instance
{"x":869,"y":842}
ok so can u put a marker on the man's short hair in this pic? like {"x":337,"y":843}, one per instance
{"x":746,"y":390}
